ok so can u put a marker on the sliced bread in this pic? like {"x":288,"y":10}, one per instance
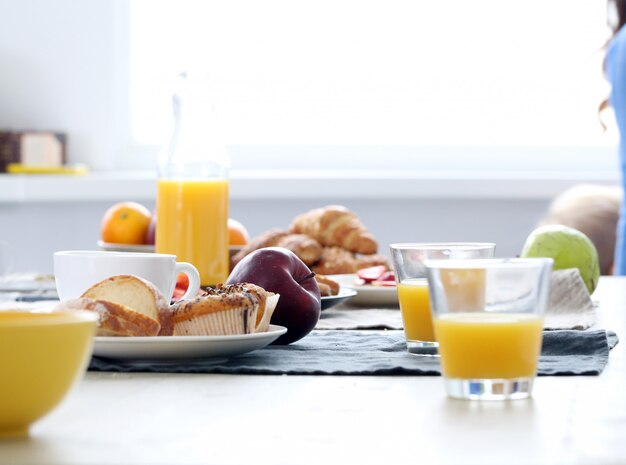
{"x":131,"y":291}
{"x":114,"y":319}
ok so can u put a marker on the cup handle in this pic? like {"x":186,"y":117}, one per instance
{"x":192,"y":274}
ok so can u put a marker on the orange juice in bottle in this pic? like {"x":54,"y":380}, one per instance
{"x":192,"y":189}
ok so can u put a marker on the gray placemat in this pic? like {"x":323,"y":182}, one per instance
{"x":350,"y":318}
{"x":376,"y":353}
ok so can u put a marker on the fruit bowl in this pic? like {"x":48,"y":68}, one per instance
{"x":233,"y":249}
{"x":42,"y":355}
{"x":111,"y":247}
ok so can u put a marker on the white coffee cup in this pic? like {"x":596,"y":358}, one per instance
{"x":75,"y":271}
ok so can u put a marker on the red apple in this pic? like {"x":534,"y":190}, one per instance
{"x":279,"y":270}
{"x":151,"y":231}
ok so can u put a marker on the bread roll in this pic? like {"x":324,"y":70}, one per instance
{"x":329,"y":286}
{"x":114,"y":319}
{"x":335,"y":260}
{"x":305,"y":247}
{"x":133,"y":292}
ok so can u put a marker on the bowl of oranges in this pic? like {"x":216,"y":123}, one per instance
{"x":131,"y":227}
{"x":127,"y":227}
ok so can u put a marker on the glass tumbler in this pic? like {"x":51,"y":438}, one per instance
{"x":408,"y":261}
{"x":488,"y":318}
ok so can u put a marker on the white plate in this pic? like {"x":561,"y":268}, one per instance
{"x":343,"y":295}
{"x":233,"y":249}
{"x":167,"y":348}
{"x":366,"y":294}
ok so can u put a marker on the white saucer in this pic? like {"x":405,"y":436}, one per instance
{"x":167,"y":348}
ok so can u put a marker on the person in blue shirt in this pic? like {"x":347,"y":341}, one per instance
{"x":615,"y":69}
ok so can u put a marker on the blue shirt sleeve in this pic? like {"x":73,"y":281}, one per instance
{"x":616,"y":74}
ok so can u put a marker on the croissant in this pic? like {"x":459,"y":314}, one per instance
{"x":337,"y":260}
{"x":365,"y":261}
{"x":306,"y":248}
{"x":327,"y":285}
{"x":335,"y":225}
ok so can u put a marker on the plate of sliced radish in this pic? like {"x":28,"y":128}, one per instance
{"x":375,"y":286}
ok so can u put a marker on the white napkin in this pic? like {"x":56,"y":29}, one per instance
{"x":570,"y":305}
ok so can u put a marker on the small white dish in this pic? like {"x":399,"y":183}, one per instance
{"x":170,"y":348}
{"x":368,"y":294}
{"x":343,"y":295}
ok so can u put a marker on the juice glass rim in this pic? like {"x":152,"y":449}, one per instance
{"x":482,"y":263}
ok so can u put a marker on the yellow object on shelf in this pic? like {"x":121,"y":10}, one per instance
{"x":19,"y":168}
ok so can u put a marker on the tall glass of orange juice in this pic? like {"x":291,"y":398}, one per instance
{"x":192,"y":218}
{"x":412,"y":286}
{"x":192,"y":189}
{"x":492,"y":351}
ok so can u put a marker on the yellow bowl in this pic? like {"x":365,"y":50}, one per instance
{"x":42,"y":354}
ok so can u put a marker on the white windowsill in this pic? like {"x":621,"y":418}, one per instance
{"x":319,"y":184}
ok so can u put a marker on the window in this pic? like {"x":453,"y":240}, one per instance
{"x":446,"y":81}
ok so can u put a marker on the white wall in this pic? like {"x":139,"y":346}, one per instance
{"x":64,"y":66}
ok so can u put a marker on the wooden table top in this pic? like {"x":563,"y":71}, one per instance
{"x":138,"y":418}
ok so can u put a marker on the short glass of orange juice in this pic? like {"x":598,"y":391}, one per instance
{"x":489,"y":350}
{"x":408,"y":261}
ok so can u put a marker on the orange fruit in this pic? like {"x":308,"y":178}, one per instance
{"x":237,"y":233}
{"x":125,"y":223}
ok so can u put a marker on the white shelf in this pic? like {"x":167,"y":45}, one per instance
{"x":298,"y":184}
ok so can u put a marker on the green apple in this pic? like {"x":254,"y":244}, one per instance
{"x":569,"y":248}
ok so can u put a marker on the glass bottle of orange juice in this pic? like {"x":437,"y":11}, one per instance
{"x":192,"y":187}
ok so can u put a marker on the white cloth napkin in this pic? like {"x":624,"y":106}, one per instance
{"x":569,"y":307}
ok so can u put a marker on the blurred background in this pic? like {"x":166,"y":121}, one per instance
{"x":433,"y":121}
